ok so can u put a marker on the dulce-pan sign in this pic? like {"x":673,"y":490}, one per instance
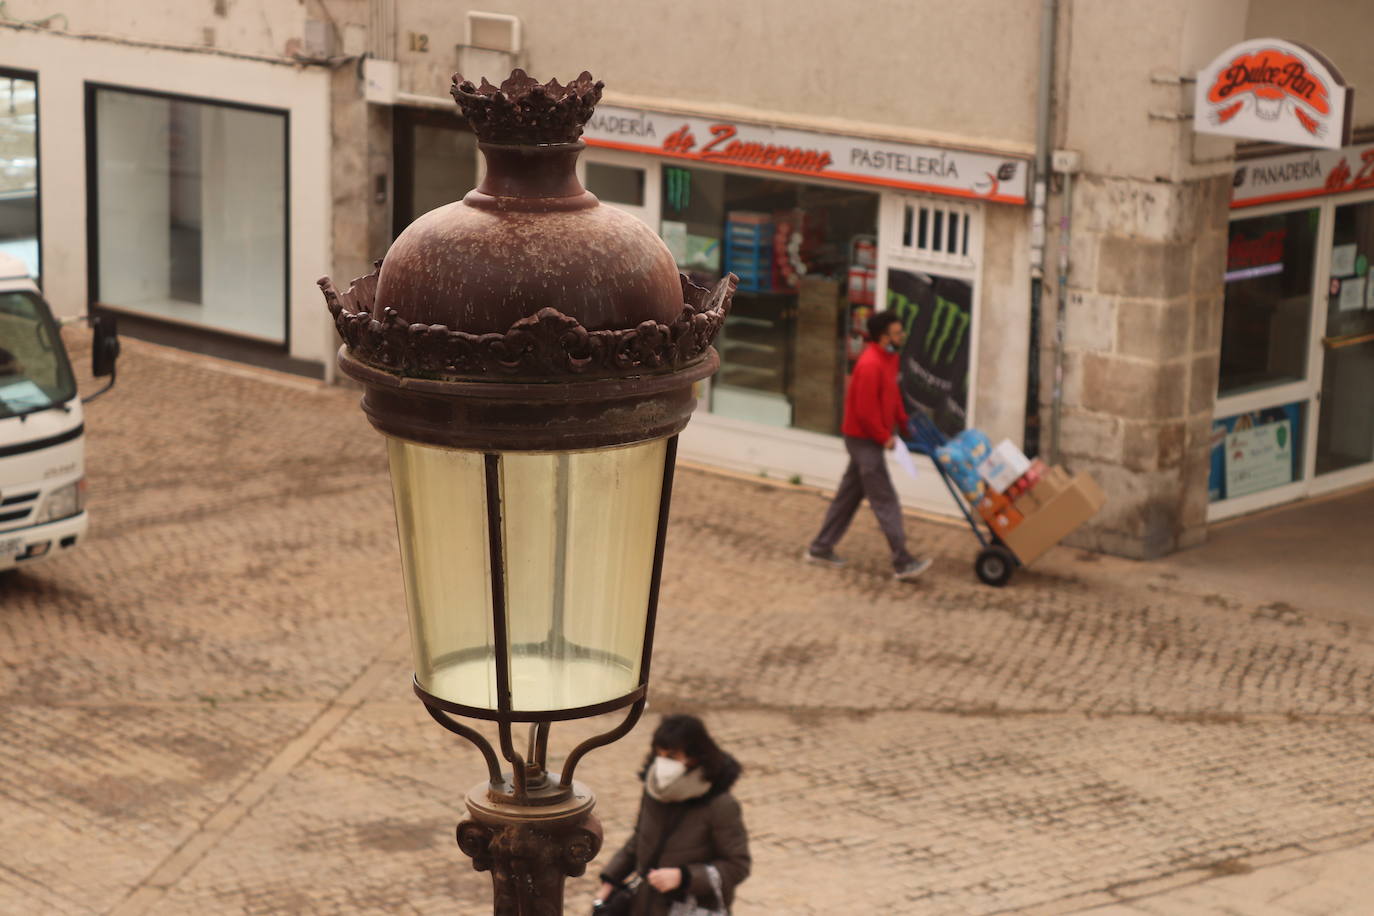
{"x":1275,"y":90}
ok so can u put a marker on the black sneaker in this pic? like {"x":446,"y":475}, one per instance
{"x":829,"y":558}
{"x":911,"y":569}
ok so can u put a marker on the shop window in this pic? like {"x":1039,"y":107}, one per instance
{"x":1266,"y":321}
{"x":19,"y":168}
{"x":436,"y":163}
{"x":805,"y":257}
{"x":616,"y":184}
{"x":189,"y":201}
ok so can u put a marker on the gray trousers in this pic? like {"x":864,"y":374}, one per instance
{"x":866,"y":476}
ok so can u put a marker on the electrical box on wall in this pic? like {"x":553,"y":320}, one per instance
{"x":1067,"y":161}
{"x":379,"y":81}
{"x":491,"y":47}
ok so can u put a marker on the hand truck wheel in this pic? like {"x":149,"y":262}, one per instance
{"x":994,"y":565}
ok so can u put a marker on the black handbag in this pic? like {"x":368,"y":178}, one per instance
{"x":619,"y":901}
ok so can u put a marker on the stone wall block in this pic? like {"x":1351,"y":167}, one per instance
{"x":1090,"y":321}
{"x":1144,"y":269}
{"x":1209,"y":263}
{"x":1150,"y":446}
{"x":1207,"y":310}
{"x":1197,"y":469}
{"x":1132,"y":389}
{"x":1141,"y":517}
{"x":1150,"y":210}
{"x":1089,"y":436}
{"x":1152,"y":329}
{"x":1202,"y":382}
{"x":1198,"y":432}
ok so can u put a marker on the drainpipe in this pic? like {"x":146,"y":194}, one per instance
{"x":1044,"y":99}
{"x":1067,"y":169}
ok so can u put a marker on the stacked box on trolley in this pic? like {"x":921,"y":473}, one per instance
{"x":1050,"y":511}
{"x":1032,"y":507}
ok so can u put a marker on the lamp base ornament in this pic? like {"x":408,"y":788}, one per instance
{"x":530,"y":850}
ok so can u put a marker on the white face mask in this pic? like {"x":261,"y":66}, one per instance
{"x":666,"y":770}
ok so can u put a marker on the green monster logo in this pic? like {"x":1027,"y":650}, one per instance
{"x":948,"y":325}
{"x":1281,"y":434}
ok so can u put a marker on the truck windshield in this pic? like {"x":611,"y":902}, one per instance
{"x":34,"y":371}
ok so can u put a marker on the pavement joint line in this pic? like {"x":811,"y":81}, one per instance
{"x":1194,"y":876}
{"x":181,"y":860}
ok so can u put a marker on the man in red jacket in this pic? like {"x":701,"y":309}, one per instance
{"x":873,"y":412}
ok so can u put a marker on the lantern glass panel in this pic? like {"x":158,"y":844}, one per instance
{"x":578,"y":537}
{"x":441,"y":517}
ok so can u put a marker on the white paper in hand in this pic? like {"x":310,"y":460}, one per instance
{"x":902,"y":455}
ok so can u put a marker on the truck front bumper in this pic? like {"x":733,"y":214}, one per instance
{"x":25,"y":546}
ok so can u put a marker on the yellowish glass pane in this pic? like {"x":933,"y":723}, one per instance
{"x":580,"y":529}
{"x":441,"y":517}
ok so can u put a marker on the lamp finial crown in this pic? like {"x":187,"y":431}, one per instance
{"x":523,"y":110}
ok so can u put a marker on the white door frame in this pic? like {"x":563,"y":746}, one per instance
{"x":1308,"y":390}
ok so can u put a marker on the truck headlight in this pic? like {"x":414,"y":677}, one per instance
{"x":63,"y":502}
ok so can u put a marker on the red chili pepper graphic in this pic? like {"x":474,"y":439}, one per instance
{"x":1228,"y":112}
{"x":1307,"y":121}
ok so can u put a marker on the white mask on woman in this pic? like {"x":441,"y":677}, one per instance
{"x":667,"y":771}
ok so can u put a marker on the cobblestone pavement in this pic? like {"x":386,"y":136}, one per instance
{"x":206,"y":709}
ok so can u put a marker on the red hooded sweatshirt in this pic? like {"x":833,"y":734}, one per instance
{"x":872,"y":404}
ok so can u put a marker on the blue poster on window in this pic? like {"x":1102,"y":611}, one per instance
{"x":1255,"y":451}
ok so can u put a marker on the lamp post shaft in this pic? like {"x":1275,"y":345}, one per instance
{"x":529,"y":850}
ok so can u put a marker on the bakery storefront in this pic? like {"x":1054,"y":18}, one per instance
{"x":820,"y":229}
{"x":1294,"y":414}
{"x":1295,"y":392}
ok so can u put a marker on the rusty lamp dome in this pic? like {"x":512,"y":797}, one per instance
{"x":480,"y":306}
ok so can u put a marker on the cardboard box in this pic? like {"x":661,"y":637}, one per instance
{"x":1054,"y":481}
{"x":1004,"y":465}
{"x":1028,"y":502}
{"x":1052,"y":521}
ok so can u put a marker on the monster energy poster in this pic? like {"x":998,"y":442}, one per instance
{"x":937,"y":313}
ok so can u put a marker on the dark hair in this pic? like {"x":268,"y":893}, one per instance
{"x":879,"y":322}
{"x":688,"y":734}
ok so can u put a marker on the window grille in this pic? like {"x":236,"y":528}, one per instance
{"x":937,"y":231}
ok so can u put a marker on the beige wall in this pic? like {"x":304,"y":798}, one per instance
{"x":267,"y":27}
{"x":964,"y":70}
{"x":1340,"y":29}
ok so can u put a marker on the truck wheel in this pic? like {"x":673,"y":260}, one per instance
{"x":994,"y":565}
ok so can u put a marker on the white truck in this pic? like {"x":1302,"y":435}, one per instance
{"x":42,"y":435}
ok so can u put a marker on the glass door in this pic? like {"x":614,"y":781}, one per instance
{"x":1345,"y":425}
{"x":1268,"y":377}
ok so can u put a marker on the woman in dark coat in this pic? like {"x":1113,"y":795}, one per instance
{"x":688,"y":810}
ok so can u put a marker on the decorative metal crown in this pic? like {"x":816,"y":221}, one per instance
{"x":545,"y":343}
{"x":523,"y":110}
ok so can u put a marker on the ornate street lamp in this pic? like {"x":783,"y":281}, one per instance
{"x":530,"y":356}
